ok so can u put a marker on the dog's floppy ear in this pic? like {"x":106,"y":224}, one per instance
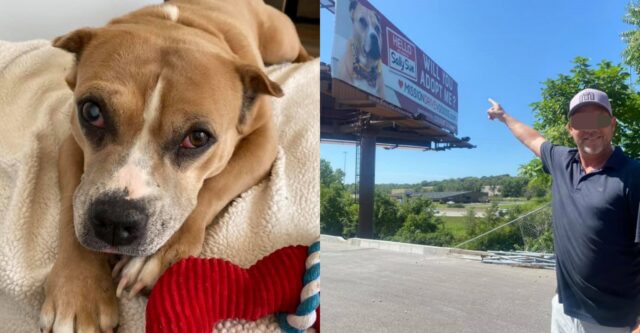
{"x":352,"y":9}
{"x":255,"y":83}
{"x":352,"y":6}
{"x":75,"y":43}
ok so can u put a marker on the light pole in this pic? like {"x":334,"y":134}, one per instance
{"x":345,"y":164}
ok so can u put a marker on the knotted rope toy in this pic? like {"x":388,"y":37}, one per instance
{"x":195,"y":293}
{"x":305,"y":314}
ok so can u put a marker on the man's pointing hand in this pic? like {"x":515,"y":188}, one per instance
{"x":495,"y":111}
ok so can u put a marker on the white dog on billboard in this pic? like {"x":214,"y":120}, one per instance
{"x":361,"y":64}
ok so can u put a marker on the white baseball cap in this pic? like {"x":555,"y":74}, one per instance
{"x":590,"y":96}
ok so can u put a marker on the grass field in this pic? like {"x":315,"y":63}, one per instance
{"x":457,"y":225}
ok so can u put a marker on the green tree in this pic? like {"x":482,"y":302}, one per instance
{"x":336,"y":211}
{"x":385,"y":212}
{"x":420,"y":225}
{"x":333,"y":211}
{"x":350,"y":228}
{"x":470,"y":218}
{"x":504,"y":239}
{"x":631,"y":53}
{"x":537,"y":231}
{"x":328,"y":176}
{"x":513,"y":187}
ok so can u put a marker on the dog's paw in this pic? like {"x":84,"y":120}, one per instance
{"x":79,"y":299}
{"x":142,"y":273}
{"x":137,"y":273}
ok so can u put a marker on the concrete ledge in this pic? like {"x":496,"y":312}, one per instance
{"x":405,"y":247}
{"x":399,"y":247}
{"x":332,"y":239}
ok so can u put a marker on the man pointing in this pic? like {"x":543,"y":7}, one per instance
{"x":595,"y":203}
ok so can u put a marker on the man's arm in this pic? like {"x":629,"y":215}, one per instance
{"x":527,"y":135}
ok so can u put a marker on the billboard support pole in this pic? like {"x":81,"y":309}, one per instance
{"x":367,"y":182}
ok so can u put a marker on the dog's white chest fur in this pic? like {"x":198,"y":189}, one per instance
{"x":363,"y":84}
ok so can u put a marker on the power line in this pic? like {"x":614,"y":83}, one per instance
{"x":503,"y":225}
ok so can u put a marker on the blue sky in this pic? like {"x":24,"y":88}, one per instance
{"x":503,"y":49}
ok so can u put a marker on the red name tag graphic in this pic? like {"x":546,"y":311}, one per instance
{"x":402,"y":54}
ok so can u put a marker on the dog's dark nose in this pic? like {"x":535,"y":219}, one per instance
{"x":118,"y":221}
{"x":374,"y":51}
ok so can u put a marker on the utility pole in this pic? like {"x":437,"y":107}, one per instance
{"x":345,"y":164}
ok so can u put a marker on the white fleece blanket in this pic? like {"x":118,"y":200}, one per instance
{"x":35,"y":106}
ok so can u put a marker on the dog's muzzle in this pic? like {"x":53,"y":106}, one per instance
{"x":374,"y":50}
{"x":118,"y":221}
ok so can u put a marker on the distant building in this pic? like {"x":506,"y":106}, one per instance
{"x":492,"y":190}
{"x":401,"y":192}
{"x":456,"y":197}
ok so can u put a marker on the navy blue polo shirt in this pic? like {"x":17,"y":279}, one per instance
{"x":596,"y":236}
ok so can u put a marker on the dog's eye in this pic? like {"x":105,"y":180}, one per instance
{"x":363,"y":22}
{"x":91,"y":113}
{"x":195,"y":139}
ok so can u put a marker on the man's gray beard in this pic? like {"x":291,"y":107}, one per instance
{"x":589,"y":150}
{"x":592,"y":151}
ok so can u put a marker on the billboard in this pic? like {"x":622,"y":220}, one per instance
{"x":372,"y":54}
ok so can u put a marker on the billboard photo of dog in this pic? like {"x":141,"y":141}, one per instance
{"x":361,"y":64}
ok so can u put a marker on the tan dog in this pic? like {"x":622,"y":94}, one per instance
{"x":361,"y":63}
{"x":172,"y":124}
